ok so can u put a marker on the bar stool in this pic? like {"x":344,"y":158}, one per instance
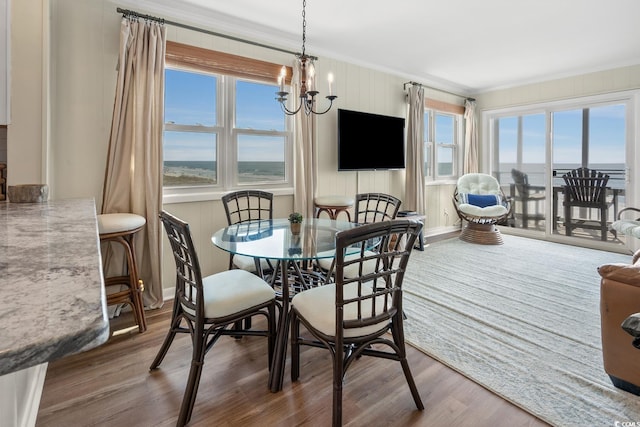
{"x":333,"y":205}
{"x":121,"y":228}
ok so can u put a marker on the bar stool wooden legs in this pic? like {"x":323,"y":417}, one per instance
{"x":121,"y":228}
{"x":333,"y":205}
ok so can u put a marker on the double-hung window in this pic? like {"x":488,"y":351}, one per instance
{"x":442,"y":142}
{"x":223,"y":129}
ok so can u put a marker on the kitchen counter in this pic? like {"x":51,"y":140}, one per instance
{"x":52,"y":300}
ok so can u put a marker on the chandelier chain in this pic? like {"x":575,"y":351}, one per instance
{"x":304,"y":26}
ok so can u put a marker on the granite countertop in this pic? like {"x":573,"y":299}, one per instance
{"x":52,"y":299}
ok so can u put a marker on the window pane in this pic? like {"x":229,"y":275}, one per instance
{"x":261,"y":158}
{"x":189,"y":98}
{"x":256,"y":107}
{"x":533,"y":149}
{"x":607,"y":134}
{"x":567,"y":139}
{"x":189,"y":158}
{"x":444,"y":129}
{"x":445,"y":161}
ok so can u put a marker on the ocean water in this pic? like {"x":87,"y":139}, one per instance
{"x":205,"y":172}
{"x":536,"y":172}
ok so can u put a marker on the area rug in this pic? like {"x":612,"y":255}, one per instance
{"x":521,"y":319}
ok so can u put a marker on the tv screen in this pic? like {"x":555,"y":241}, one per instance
{"x":369,"y":141}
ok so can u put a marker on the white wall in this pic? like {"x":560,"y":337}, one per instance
{"x":25,"y":133}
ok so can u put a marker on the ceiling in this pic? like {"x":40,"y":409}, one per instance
{"x":463,"y":46}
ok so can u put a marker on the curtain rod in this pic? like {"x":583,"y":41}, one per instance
{"x":435,"y":88}
{"x":128,"y":13}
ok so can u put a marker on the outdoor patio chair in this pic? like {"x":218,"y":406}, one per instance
{"x":526,"y":194}
{"x":586,"y":189}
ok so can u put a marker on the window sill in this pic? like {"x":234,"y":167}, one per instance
{"x":195,"y":194}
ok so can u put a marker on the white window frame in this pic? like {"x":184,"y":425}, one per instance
{"x":227,"y":145}
{"x":432,"y":146}
{"x":631,"y":99}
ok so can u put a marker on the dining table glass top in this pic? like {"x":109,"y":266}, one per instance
{"x":273,"y":239}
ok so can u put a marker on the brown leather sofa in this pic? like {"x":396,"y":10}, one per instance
{"x":620,"y":298}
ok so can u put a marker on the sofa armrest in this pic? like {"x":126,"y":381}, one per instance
{"x":625,"y":273}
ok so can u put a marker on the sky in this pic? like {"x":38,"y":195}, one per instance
{"x":606,"y":136}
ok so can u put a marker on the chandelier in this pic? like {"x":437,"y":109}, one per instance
{"x":308,"y":90}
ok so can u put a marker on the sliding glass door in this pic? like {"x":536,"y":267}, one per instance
{"x":534,"y":148}
{"x":521,"y":142}
{"x":594,"y":138}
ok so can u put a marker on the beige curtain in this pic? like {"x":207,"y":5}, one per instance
{"x":133,"y":177}
{"x":305,"y":154}
{"x":470,"y":137}
{"x":414,"y":186}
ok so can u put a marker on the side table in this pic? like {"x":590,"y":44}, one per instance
{"x":419,"y":218}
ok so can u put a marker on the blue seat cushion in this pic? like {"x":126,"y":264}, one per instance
{"x":480,"y":200}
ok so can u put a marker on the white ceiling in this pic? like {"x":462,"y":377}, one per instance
{"x":464,"y":46}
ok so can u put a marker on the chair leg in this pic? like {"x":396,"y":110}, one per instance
{"x":271,"y":330}
{"x":398,"y":337}
{"x":338,"y":376}
{"x":191,"y":390}
{"x":295,"y":346}
{"x":175,"y":323}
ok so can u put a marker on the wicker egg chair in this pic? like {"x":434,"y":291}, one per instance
{"x":479,"y":200}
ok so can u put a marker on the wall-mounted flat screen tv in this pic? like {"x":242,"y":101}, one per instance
{"x":369,"y":141}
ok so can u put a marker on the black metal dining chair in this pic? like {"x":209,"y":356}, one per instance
{"x":351,"y":315}
{"x":208,"y":307}
{"x":248,"y":205}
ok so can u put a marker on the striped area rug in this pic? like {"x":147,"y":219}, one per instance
{"x":521,"y":319}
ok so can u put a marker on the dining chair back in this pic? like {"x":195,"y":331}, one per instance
{"x":248,"y":205}
{"x":347,"y":317}
{"x":375,"y":207}
{"x":369,"y":208}
{"x":206,"y":307}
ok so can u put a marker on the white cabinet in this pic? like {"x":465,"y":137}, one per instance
{"x":5,"y":59}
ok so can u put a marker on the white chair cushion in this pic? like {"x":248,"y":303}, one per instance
{"x":334,"y":201}
{"x":232,"y":291}
{"x":478,"y":183}
{"x":119,"y":222}
{"x":318,"y":307}
{"x":487,"y":212}
{"x":351,"y":270}
{"x":247,"y":263}
{"x":627,"y":227}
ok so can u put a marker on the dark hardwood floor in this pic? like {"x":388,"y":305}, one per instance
{"x":112,"y":386}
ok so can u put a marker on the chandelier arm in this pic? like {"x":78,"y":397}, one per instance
{"x":330,"y":98}
{"x":286,"y":110}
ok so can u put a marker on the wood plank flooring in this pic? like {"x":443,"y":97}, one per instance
{"x":112,"y":386}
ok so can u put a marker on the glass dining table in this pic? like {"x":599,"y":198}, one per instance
{"x":273,"y":240}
